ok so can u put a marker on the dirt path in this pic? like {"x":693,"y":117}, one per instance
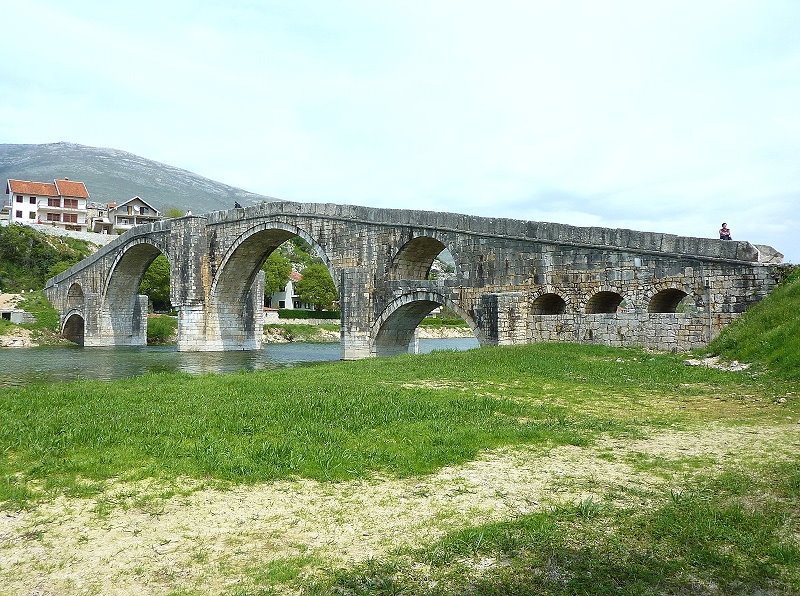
{"x":209,"y":539}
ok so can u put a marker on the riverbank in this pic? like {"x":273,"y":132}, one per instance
{"x":549,"y":468}
{"x":298,"y":330}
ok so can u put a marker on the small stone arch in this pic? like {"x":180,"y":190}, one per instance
{"x":75,"y":296}
{"x":74,"y":327}
{"x":394,"y":329}
{"x":548,"y":303}
{"x":604,"y":301}
{"x":414,"y":259}
{"x":666,"y":300}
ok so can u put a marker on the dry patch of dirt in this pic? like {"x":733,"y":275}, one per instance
{"x":209,"y":539}
{"x":715,"y":362}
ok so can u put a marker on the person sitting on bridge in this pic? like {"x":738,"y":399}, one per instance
{"x":724,"y":232}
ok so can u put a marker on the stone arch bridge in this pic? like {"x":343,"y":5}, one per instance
{"x":515,"y":281}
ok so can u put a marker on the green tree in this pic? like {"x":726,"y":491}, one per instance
{"x":173,"y":212}
{"x":276,"y":272}
{"x":317,"y":287}
{"x":155,"y":284}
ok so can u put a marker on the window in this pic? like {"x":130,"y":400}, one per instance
{"x":19,"y":214}
{"x":71,"y":217}
{"x":53,"y":217}
{"x":32,"y":200}
{"x":32,"y":215}
{"x":19,"y":199}
{"x":125,"y":221}
{"x":70,"y":203}
{"x":54,"y":202}
{"x":143,"y":210}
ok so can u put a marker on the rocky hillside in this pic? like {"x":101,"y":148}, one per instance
{"x":116,"y":176}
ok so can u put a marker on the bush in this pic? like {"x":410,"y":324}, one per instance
{"x":161,"y":329}
{"x":288,"y":313}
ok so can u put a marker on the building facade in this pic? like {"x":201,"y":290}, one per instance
{"x":136,"y":211}
{"x":61,"y":203}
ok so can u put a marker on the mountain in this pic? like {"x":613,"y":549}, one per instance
{"x":112,"y":175}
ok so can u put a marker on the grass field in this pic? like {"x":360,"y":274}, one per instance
{"x":543,"y":469}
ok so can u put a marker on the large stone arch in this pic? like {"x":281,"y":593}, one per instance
{"x":74,"y":327}
{"x":394,"y":329}
{"x":415,"y":258}
{"x":232,"y":306}
{"x":124,"y":311}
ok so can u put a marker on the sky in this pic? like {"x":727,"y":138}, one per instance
{"x":669,"y":116}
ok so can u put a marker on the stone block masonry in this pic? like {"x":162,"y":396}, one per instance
{"x":515,"y":281}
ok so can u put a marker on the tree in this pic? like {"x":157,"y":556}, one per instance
{"x":276,"y":272}
{"x":317,"y":287}
{"x":155,"y":284}
{"x":173,"y":212}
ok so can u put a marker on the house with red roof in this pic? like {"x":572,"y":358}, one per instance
{"x":62,"y":203}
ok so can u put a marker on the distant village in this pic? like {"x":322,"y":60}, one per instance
{"x":66,"y":204}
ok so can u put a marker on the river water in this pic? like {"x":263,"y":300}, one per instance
{"x":25,"y":366}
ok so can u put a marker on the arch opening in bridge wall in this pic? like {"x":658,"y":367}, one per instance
{"x":125,"y":310}
{"x":75,"y":296}
{"x":666,"y":301}
{"x":549,"y":304}
{"x":603,"y":302}
{"x":415,"y":258}
{"x":235,"y":310}
{"x":395,"y":329}
{"x":74,"y":328}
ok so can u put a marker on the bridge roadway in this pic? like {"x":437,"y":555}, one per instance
{"x":515,"y":281}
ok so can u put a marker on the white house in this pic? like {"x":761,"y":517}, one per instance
{"x":287,"y":298}
{"x":122,"y":217}
{"x":62,"y":203}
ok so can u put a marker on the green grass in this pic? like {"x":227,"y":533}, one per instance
{"x":301,"y":332}
{"x":711,"y":539}
{"x":768,"y":333}
{"x":352,"y":419}
{"x":39,"y":306}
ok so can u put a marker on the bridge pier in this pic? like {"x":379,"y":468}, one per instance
{"x":106,"y":327}
{"x":504,"y":318}
{"x":355,"y":298}
{"x":191,"y":327}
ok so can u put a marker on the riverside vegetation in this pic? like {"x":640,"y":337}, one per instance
{"x":540,"y":469}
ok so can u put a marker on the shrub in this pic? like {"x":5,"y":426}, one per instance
{"x":161,"y":329}
{"x":288,"y":313}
